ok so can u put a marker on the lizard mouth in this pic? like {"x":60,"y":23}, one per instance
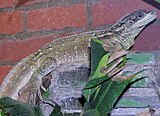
{"x":151,"y":16}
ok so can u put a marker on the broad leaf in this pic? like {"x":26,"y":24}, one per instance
{"x":107,"y":96}
{"x":46,"y":94}
{"x":95,"y":82}
{"x":92,"y":112}
{"x":158,"y":1}
{"x":109,"y":93}
{"x":14,"y":108}
{"x":101,"y":91}
{"x":100,"y":72}
{"x":56,"y":111}
{"x":97,"y":52}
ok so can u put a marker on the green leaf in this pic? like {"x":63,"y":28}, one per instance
{"x":101,"y":69}
{"x":92,"y":112}
{"x":56,"y":111}
{"x":7,"y":102}
{"x":158,"y":1}
{"x":2,"y":113}
{"x":22,"y":110}
{"x":86,"y":106}
{"x":14,"y":108}
{"x":108,"y":95}
{"x":97,"y":52}
{"x":95,"y":82}
{"x":102,"y":92}
{"x":123,"y":62}
{"x":99,"y":65}
{"x":100,"y":72}
{"x":46,"y":94}
{"x":94,"y":94}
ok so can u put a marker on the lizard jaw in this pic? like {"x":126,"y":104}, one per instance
{"x":148,"y":18}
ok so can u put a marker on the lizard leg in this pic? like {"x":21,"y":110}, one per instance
{"x":45,"y":66}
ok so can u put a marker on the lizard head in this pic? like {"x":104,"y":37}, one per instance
{"x":128,"y":27}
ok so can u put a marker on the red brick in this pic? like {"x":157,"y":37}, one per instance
{"x":109,"y":11}
{"x":11,"y":23}
{"x":6,"y":3}
{"x":4,"y":71}
{"x":149,"y":39}
{"x":57,"y":18}
{"x":9,"y":3}
{"x":15,"y":50}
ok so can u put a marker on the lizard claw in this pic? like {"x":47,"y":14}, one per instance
{"x":33,"y":93}
{"x":43,"y":88}
{"x":28,"y":94}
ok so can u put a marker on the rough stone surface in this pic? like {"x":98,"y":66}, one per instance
{"x":66,"y":87}
{"x":68,"y":81}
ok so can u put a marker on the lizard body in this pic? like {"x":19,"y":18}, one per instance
{"x":27,"y":74}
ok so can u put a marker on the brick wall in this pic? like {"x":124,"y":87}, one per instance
{"x":37,"y":22}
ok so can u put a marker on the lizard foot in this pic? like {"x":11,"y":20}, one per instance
{"x":30,"y":93}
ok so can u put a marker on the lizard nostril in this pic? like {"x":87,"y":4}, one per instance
{"x":152,"y":12}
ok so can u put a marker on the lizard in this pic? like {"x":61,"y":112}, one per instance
{"x":25,"y":79}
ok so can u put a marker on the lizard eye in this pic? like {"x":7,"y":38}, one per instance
{"x":140,"y":15}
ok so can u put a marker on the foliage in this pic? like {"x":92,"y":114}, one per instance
{"x":56,"y":111}
{"x":101,"y":91}
{"x":12,"y":107}
{"x":158,"y":1}
{"x":46,"y":94}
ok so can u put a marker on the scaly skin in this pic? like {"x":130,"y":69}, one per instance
{"x":24,"y":81}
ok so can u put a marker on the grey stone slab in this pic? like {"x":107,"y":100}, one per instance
{"x":132,"y":111}
{"x":68,"y":81}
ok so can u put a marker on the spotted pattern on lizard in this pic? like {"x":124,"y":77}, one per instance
{"x":25,"y":79}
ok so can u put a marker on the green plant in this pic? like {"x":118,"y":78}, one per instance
{"x":12,"y":107}
{"x":157,"y":1}
{"x":102,"y":91}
